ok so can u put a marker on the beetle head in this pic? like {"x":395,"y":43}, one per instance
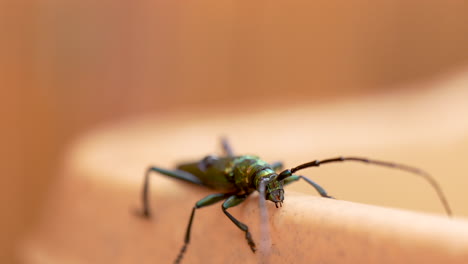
{"x":274,"y":192}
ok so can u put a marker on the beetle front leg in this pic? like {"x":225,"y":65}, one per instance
{"x":317,"y":187}
{"x":208,"y":200}
{"x":276,"y":166}
{"x":231,"y":202}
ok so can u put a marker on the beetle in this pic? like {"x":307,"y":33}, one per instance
{"x":234,"y":178}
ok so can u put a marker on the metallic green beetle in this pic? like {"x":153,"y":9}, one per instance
{"x":236,"y":177}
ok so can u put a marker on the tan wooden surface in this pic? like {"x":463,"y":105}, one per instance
{"x":90,"y":217}
{"x":67,"y":66}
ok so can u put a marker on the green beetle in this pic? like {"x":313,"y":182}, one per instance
{"x":234,"y":178}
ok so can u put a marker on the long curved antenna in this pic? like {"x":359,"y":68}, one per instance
{"x":403,"y":167}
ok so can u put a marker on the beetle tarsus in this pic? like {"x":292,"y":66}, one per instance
{"x":250,"y":241}
{"x":181,"y":254}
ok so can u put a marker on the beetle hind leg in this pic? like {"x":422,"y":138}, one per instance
{"x":178,"y":174}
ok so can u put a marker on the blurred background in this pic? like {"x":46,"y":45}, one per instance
{"x":67,"y":66}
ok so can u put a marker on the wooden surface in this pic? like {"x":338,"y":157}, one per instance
{"x":67,"y":66}
{"x":91,"y":214}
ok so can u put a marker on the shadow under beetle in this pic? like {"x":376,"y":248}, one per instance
{"x":236,"y":177}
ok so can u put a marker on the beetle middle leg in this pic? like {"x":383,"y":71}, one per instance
{"x":227,"y":147}
{"x":231,"y":202}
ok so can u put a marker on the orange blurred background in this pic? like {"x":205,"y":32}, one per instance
{"x":66,"y":66}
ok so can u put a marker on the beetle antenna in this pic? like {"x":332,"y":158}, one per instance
{"x":402,"y":167}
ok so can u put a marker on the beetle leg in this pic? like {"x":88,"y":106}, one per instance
{"x":226,"y":147}
{"x":178,"y":174}
{"x":276,"y":166}
{"x":317,"y":187}
{"x":231,"y":202}
{"x":208,"y":200}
